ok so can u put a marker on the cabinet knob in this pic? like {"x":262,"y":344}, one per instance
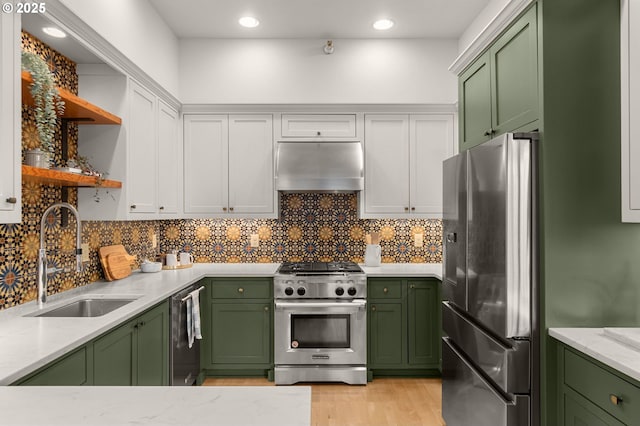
{"x":489,"y":132}
{"x":373,"y":308}
{"x":240,"y":290}
{"x":318,"y":133}
{"x":266,"y":309}
{"x":12,"y":200}
{"x":230,"y":209}
{"x":161,"y":207}
{"x":406,"y":209}
{"x":412,"y":286}
{"x":385,"y":290}
{"x":413,"y":209}
{"x":133,"y":206}
{"x":615,"y":400}
{"x":224,"y":209}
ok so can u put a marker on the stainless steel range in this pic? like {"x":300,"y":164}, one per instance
{"x":320,"y":323}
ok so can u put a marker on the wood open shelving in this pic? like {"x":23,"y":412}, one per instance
{"x":75,"y":108}
{"x":57,"y":177}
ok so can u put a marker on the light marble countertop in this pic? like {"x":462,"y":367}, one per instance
{"x":157,"y":406}
{"x":600,"y":345}
{"x":29,"y":343}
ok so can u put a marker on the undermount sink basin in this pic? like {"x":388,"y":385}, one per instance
{"x":89,"y":307}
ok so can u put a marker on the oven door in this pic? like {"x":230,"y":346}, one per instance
{"x":318,"y":332}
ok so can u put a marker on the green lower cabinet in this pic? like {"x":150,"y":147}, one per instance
{"x":136,"y":353}
{"x":237,"y":330}
{"x":592,"y":394}
{"x":403,"y":327}
{"x":75,"y":369}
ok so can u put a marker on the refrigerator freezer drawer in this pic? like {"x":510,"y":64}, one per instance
{"x":507,"y":365}
{"x":469,"y":399}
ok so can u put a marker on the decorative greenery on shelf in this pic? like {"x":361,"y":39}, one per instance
{"x":82,"y":162}
{"x":46,"y":98}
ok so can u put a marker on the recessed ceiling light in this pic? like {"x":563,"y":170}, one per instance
{"x":383,"y":24}
{"x":54,"y":32}
{"x":248,"y":22}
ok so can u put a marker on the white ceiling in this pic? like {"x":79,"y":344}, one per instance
{"x":319,"y":18}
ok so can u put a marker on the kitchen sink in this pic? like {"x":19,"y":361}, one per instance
{"x":89,"y":307}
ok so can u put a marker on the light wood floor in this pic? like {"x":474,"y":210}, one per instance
{"x":400,"y":402}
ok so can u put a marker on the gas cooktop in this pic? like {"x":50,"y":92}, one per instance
{"x":319,"y":268}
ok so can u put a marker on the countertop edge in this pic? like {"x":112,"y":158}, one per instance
{"x":594,"y":343}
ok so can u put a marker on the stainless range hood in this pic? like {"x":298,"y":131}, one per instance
{"x":319,"y":166}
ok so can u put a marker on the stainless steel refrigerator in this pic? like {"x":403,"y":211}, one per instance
{"x":490,"y":362}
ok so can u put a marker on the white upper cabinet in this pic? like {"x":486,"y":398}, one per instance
{"x":169,"y":160}
{"x":10,"y":137}
{"x":144,"y":153}
{"x":321,"y":126}
{"x":630,"y":109}
{"x":228,"y":166}
{"x":403,"y":164}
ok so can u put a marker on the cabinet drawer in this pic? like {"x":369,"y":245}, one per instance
{"x":241,"y":289}
{"x":384,"y":289}
{"x":323,"y":125}
{"x":598,"y":385}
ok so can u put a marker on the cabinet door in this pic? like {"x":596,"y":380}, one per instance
{"x":319,"y":126}
{"x":206,"y":160}
{"x":251,"y":164}
{"x":580,"y":412}
{"x":240,"y":333}
{"x":431,"y":141}
{"x":386,"y":146}
{"x":143,"y":171}
{"x":10,"y":170}
{"x":474,"y":98}
{"x":114,"y":355}
{"x":75,"y":369}
{"x":152,"y":329}
{"x":514,"y":76}
{"x":169,"y":159}
{"x":386,"y":335}
{"x":424,"y":323}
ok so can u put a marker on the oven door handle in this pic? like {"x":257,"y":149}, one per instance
{"x":358,"y":304}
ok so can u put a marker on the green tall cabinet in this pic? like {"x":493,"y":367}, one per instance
{"x":498,"y":92}
{"x":238,"y":327}
{"x":136,"y":353}
{"x":404,"y":326}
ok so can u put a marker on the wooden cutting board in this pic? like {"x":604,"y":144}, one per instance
{"x":118,"y":265}
{"x":105,"y":251}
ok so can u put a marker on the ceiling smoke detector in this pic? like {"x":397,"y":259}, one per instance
{"x":328,"y":48}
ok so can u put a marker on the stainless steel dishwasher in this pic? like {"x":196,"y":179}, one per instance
{"x":185,"y":360}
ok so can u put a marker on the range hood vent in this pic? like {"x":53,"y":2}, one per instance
{"x":319,"y":166}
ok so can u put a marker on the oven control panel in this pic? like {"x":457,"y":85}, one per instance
{"x":320,"y":287}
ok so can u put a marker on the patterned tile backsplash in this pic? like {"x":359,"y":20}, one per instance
{"x":311,"y":227}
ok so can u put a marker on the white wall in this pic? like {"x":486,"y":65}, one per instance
{"x":238,"y":71}
{"x":482,"y":20}
{"x":135,"y":29}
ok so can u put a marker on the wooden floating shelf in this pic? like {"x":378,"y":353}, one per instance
{"x":75,"y":108}
{"x":60,"y":178}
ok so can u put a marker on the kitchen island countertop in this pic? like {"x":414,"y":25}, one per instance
{"x":32,"y":342}
{"x":156,"y":405}
{"x":600,"y":346}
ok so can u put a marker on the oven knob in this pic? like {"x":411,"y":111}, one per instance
{"x":339,"y":291}
{"x":288,"y":291}
{"x":352,"y":291}
{"x":301,"y":291}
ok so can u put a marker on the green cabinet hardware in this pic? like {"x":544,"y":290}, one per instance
{"x":592,"y":393}
{"x":74,"y":369}
{"x":403,"y":326}
{"x":237,"y":327}
{"x":136,"y":353}
{"x":498,"y":92}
